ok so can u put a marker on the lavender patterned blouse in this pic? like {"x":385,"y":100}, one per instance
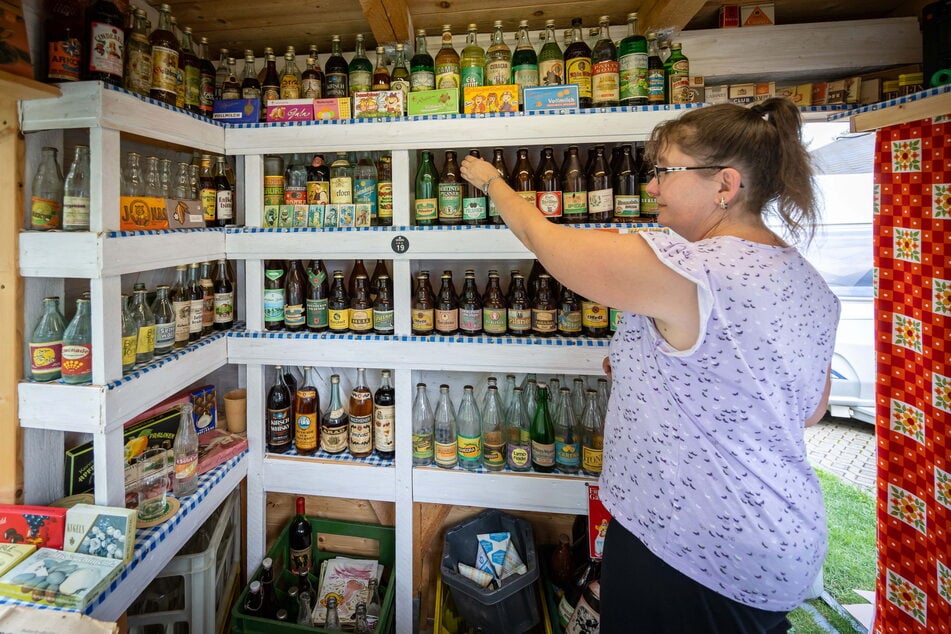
{"x":704,"y":456}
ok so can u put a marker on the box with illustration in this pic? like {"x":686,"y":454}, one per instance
{"x":37,"y":525}
{"x":563,"y":97}
{"x":59,"y":578}
{"x":486,"y":99}
{"x":427,"y":102}
{"x":377,"y":103}
{"x":103,"y":531}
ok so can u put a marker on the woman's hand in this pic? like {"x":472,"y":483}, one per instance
{"x":606,"y":366}
{"x":477,"y":171}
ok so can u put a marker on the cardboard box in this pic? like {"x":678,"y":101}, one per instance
{"x":742,"y":94}
{"x":12,"y":554}
{"x":42,"y":526}
{"x":271,"y":215}
{"x":377,"y":103}
{"x":694,"y":92}
{"x":16,"y":59}
{"x":216,"y":447}
{"x":871,"y":91}
{"x":331,"y":108}
{"x":285,"y":216}
{"x":204,"y":406}
{"x":315,"y":215}
{"x":237,"y":110}
{"x":83,"y":578}
{"x":762,"y":14}
{"x":102,"y":531}
{"x":184,"y":214}
{"x":729,"y":16}
{"x":290,"y":110}
{"x":142,"y":213}
{"x":843,"y":91}
{"x":485,"y":99}
{"x":819,"y":93}
{"x":800,"y":95}
{"x":424,"y":102}
{"x":563,"y":97}
{"x":765,"y":90}
{"x":716,"y":94}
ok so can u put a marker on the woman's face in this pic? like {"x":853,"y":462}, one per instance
{"x":686,"y":201}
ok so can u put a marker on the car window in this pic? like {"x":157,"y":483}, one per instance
{"x":842,"y":253}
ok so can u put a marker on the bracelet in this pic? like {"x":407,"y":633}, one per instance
{"x":488,"y":183}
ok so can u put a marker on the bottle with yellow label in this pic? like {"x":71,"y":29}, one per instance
{"x":338,"y":306}
{"x":444,"y":431}
{"x":46,"y":342}
{"x":145,"y":325}
{"x":130,"y":335}
{"x":423,"y":422}
{"x":469,"y":432}
{"x":592,"y":435}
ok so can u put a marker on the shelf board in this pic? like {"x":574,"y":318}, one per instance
{"x":95,"y":409}
{"x":19,"y":87}
{"x":83,"y":254}
{"x":342,"y":478}
{"x":934,"y":102}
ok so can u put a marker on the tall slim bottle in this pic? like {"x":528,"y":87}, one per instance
{"x":493,"y":435}
{"x":306,"y":414}
{"x":290,"y":76}
{"x":365,"y":189}
{"x":656,"y":74}
{"x":548,"y":197}
{"x":498,"y":162}
{"x":250,"y":86}
{"x":632,"y":54}
{"x":425,"y":205}
{"x":295,"y":297}
{"x":384,"y":418}
{"x":46,"y":343}
{"x":449,"y":192}
{"x":574,"y":190}
{"x":186,"y":455}
{"x":164,"y":320}
{"x":300,"y":540}
{"x":469,"y":431}
{"x":447,"y":62}
{"x":196,"y":303}
{"x":138,"y":58}
{"x":470,"y":306}
{"x":271,"y":84}
{"x":592,"y":438}
{"x":471,"y":62}
{"x":335,"y":423}
{"x":165,"y":53}
{"x":312,"y":79}
{"x":318,"y":294}
{"x":206,"y":91}
{"x":518,"y":439}
{"x":543,"y":435}
{"x":422,"y":67}
{"x":278,"y":423}
{"x":498,"y":59}
{"x":384,"y":190}
{"x":525,"y":69}
{"x":600,"y":192}
{"x":46,"y":204}
{"x":76,"y":192}
{"x":77,"y":346}
{"x":63,"y":31}
{"x":360,"y":70}
{"x":191,"y":68}
{"x":551,"y":60}
{"x":223,"y":297}
{"x":423,"y":422}
{"x":400,"y":77}
{"x":274,"y":272}
{"x":381,"y":74}
{"x":181,"y":306}
{"x":444,"y":431}
{"x":604,"y":68}
{"x":336,"y":72}
{"x":578,"y":64}
{"x":567,"y":435}
{"x":130,"y":335}
{"x":145,"y":324}
{"x":341,"y":180}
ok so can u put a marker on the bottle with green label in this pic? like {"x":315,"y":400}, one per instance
{"x":469,"y":431}
{"x":472,"y":62}
{"x":274,"y":271}
{"x":360,"y":71}
{"x":423,"y":421}
{"x":632,"y":59}
{"x":426,"y":204}
{"x":678,"y":75}
{"x":318,"y":292}
{"x":551,"y":60}
{"x":449,"y":192}
{"x":525,"y":69}
{"x":498,"y":59}
{"x":422,"y":68}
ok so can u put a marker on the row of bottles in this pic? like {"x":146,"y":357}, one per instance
{"x":538,"y":427}
{"x":363,"y":425}
{"x":600,"y":191}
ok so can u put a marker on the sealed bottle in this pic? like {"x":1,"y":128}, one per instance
{"x":295,"y":181}
{"x":223,"y":297}
{"x":63,"y":31}
{"x":145,"y":326}
{"x":360,"y":70}
{"x":470,"y":307}
{"x":317,"y":297}
{"x":384,"y":418}
{"x":544,"y":309}
{"x":380,"y":278}
{"x":644,"y":176}
{"x":332,"y":620}
{"x":632,"y":54}
{"x":522,"y":178}
{"x":493,"y":434}
{"x":594,"y":318}
{"x":76,"y":192}
{"x":341,"y":180}
{"x":627,"y":199}
{"x":130,"y":335}
{"x":604,"y":67}
{"x":400,"y":77}
{"x":449,"y":192}
{"x":469,"y":431}
{"x":424,"y":305}
{"x":269,"y":605}
{"x":300,"y":541}
{"x":365,"y":190}
{"x":551,"y":61}
{"x":252,"y":604}
{"x":361,"y":307}
{"x":498,"y":59}
{"x":186,"y":455}
{"x":290,"y":76}
{"x":592,"y":435}
{"x":231,"y":89}
{"x":206,"y":89}
{"x":318,"y":181}
{"x":423,"y":422}
{"x":573,"y":593}
{"x":567,"y":435}
{"x":312,"y":79}
{"x":278,"y":424}
{"x":306,"y":425}
{"x":221,"y":71}
{"x":548,"y":197}
{"x":208,"y":306}
{"x":422,"y":68}
{"x":384,"y":191}
{"x":46,"y":343}
{"x":494,"y":309}
{"x":543,"y":435}
{"x":600,"y":192}
{"x":334,"y":424}
{"x":104,"y":45}
{"x":381,"y":74}
{"x":294,"y":297}
{"x":474,"y":210}
{"x":472,"y":62}
{"x":77,"y":346}
{"x":498,"y":162}
{"x":426,"y":210}
{"x":46,"y":206}
{"x":518,"y":439}
{"x":164,"y":320}
{"x":574,"y":190}
{"x":250,"y":86}
{"x":519,"y":309}
{"x":191,"y":72}
{"x":656,"y":74}
{"x":447,"y":71}
{"x":138,"y":58}
{"x":271,"y":84}
{"x":578,"y":64}
{"x":446,"y":313}
{"x":196,"y":303}
{"x":165,"y":53}
{"x":383,"y":315}
{"x":181,"y":307}
{"x":525,"y":69}
{"x":444,"y":431}
{"x":274,"y":272}
{"x":336,"y":72}
{"x":358,"y":269}
{"x":678,"y":75}
{"x":338,"y":306}
{"x":208,"y":192}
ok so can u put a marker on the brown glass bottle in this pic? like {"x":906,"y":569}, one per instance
{"x":544,"y":309}
{"x":378,"y":271}
{"x":594,"y":318}
{"x":63,"y":29}
{"x":361,"y":417}
{"x":574,"y":191}
{"x":498,"y":162}
{"x":384,"y":423}
{"x":307,"y":415}
{"x":383,"y":323}
{"x":446,"y":316}
{"x":600,"y":193}
{"x":295,"y":297}
{"x":627,"y":195}
{"x":271,"y":84}
{"x":522,"y":178}
{"x":318,"y":294}
{"x":357,"y":270}
{"x":104,"y":43}
{"x":278,"y":424}
{"x":648,"y":202}
{"x":519,"y":309}
{"x":165,"y":54}
{"x":449,"y":192}
{"x":569,"y":314}
{"x":423,"y":315}
{"x":312,"y":79}
{"x":470,"y":307}
{"x":548,"y":186}
{"x":473,"y":201}
{"x":206,"y":91}
{"x":494,"y":309}
{"x":384,"y":191}
{"x":361,"y":307}
{"x":334,"y":423}
{"x":381,"y":74}
{"x":338,"y":307}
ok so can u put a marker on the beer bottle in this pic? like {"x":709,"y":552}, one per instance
{"x":338,"y":307}
{"x":604,"y":68}
{"x":379,"y":271}
{"x":678,"y":78}
{"x":252,"y":605}
{"x":224,"y":297}
{"x":306,"y":411}
{"x":423,"y":423}
{"x":165,"y":53}
{"x":574,"y":190}
{"x":648,"y":202}
{"x":208,"y":308}
{"x":524,"y":62}
{"x":63,"y":33}
{"x":627,"y":199}
{"x":250,"y":86}
{"x":498,"y":162}
{"x":383,"y":323}
{"x":522,"y":178}
{"x":447,"y":71}
{"x":318,"y":293}
{"x":145,"y":325}
{"x":498,"y":59}
{"x":224,"y":196}
{"x":551,"y":61}
{"x":494,"y":310}
{"x":569,"y":314}
{"x":449,"y":197}
{"x":357,"y":270}
{"x":365,"y":189}
{"x":426,"y":203}
{"x":543,"y":435}
{"x":493,"y":435}
{"x":384,"y":191}
{"x":470,"y":307}
{"x":384,"y":418}
{"x":600,"y":194}
{"x":337,"y":72}
{"x":318,"y":181}
{"x":381,"y":74}
{"x":548,"y":197}
{"x":656,"y":74}
{"x":334,"y":424}
{"x":279,"y":431}
{"x":361,"y":307}
{"x":578,"y":64}
{"x":196,"y":302}
{"x":361,"y":417}
{"x":191,"y":67}
{"x":594,"y":318}
{"x":138,"y":57}
{"x":519,"y":310}
{"x":592,"y":435}
{"x":471,"y":63}
{"x":274,"y":271}
{"x":312,"y":79}
{"x":447,"y":307}
{"x":422,"y":67}
{"x":341,"y":180}
{"x":295,"y":297}
{"x":633,"y":66}
{"x":271,"y":84}
{"x":544,"y":309}
{"x":469,"y":431}
{"x":567,"y":435}
{"x":208,"y":192}
{"x":518,"y":440}
{"x":206,"y":80}
{"x":400,"y":78}
{"x":181,"y":307}
{"x":360,"y":70}
{"x":104,"y":43}
{"x":423,"y":315}
{"x":473,"y":200}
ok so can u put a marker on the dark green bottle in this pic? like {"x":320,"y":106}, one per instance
{"x":427,"y":179}
{"x":543,"y":434}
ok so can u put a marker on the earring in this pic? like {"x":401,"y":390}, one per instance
{"x":723,"y":204}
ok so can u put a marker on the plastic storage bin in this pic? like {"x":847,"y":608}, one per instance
{"x":385,"y":536}
{"x":513,"y":607}
{"x":186,"y":596}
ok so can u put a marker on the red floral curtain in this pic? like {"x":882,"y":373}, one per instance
{"x":913,"y":308}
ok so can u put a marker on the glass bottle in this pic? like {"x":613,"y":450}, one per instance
{"x":604,"y":67}
{"x":600,"y":192}
{"x":181,"y":306}
{"x":317,"y":296}
{"x":231,"y":89}
{"x":543,"y":435}
{"x":196,"y":303}
{"x":627,"y":199}
{"x":145,"y":325}
{"x":77,"y":346}
{"x":508,"y":386}
{"x":271,"y":84}
{"x":498,"y":162}
{"x":381,"y":74}
{"x":274,"y":271}
{"x":130,"y":335}
{"x":519,"y":309}
{"x":63,"y":34}
{"x":525,"y":71}
{"x":46,"y":207}
{"x":164,"y":320}
{"x":562,"y":565}
{"x":269,"y":600}
{"x":522,"y":178}
{"x":46,"y":343}
{"x":252,"y":604}
{"x":305,"y":614}
{"x":358,"y":269}
{"x":554,"y":388}
{"x":471,"y":62}
{"x":425,"y":205}
{"x":498,"y":59}
{"x":569,"y":314}
{"x":318,"y":181}
{"x":180,"y":71}
{"x":474,"y":210}
{"x":494,"y":309}
{"x":332,"y":622}
{"x":518,"y":439}
{"x":186,"y":455}
{"x":223,"y":297}
{"x":133,"y":181}
{"x":544,"y":309}
{"x":551,"y":61}
{"x":221,"y":71}
{"x":165,"y":177}
{"x":206,"y":88}
{"x":447,"y":69}
{"x":656,"y":74}
{"x":306,"y":414}
{"x":104,"y":43}
{"x":594,"y":318}
{"x":470,"y":307}
{"x":384,"y":418}
{"x":493,"y":435}
{"x":361,"y":307}
{"x":360,"y":71}
{"x":250,"y":86}
{"x":469,"y":431}
{"x":375,"y":603}
{"x":548,"y":196}
{"x":278,"y":424}
{"x":295,"y":181}
{"x":567,"y":435}
{"x":153,"y":180}
{"x":76,"y":192}
{"x":138,"y":58}
{"x":423,"y":422}
{"x":578,"y":64}
{"x":365,"y":189}
{"x":208,"y":192}
{"x":632,"y":58}
{"x":400,"y":77}
{"x":574,"y":189}
{"x":578,"y":390}
{"x":335,"y":423}
{"x":678,"y":75}
{"x":530,"y":394}
{"x":336,"y":72}
{"x":449,"y":192}
{"x":383,"y":322}
{"x":290,"y":76}
{"x":444,"y":431}
{"x":592,"y":435}
{"x":604,"y":395}
{"x":384,"y":191}
{"x":424,"y":305}
{"x":294,"y":297}
{"x":165,"y":54}
{"x":338,"y":306}
{"x":360,"y":623}
{"x":191,"y":69}
{"x":422,"y":67}
{"x":341,"y":180}
{"x":312,"y":79}
{"x":208,"y":308}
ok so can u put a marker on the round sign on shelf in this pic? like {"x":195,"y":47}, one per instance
{"x":400,"y":244}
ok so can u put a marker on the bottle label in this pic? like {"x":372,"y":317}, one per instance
{"x":206,"y":92}
{"x":208,"y":308}
{"x":290,"y":87}
{"x":278,"y":427}
{"x":567,"y":454}
{"x":341,"y":190}
{"x":361,"y":434}
{"x":498,"y":72}
{"x":551,"y":72}
{"x":450,"y":202}
{"x":627,"y":206}
{"x":338,"y":318}
{"x":139,"y":63}
{"x":77,"y":359}
{"x":520,"y":320}
{"x":224,"y":308}
{"x":470,"y":320}
{"x":183,"y":312}
{"x":300,"y":560}
{"x":333,"y":439}
{"x":383,"y":321}
{"x":601,"y":201}
{"x":384,"y":198}
{"x":575,"y":204}
{"x":426,"y":209}
{"x":679,"y":81}
{"x":106,"y":49}
{"x":318,"y":192}
{"x":493,"y":210}
{"x":365,"y":191}
{"x":648,"y":204}
{"x":310,"y":87}
{"x":420,"y":80}
{"x":192,"y":86}
{"x":384,"y":438}
{"x":549,"y":203}
{"x":493,"y":450}
{"x":274,"y":305}
{"x":474,"y":208}
{"x":614,"y":318}
{"x":194,"y":317}
{"x":446,"y":320}
{"x":494,"y":321}
{"x":543,"y":454}
{"x":594,"y":315}
{"x":604,"y":82}
{"x":591,"y":459}
{"x":423,"y":319}
{"x":519,"y":457}
{"x":317,"y":313}
{"x":316,"y":279}
{"x":633,"y":76}
{"x":528,"y":196}
{"x":447,"y":76}
{"x":45,"y":213}
{"x":46,"y":359}
{"x":164,"y":336}
{"x":360,"y":80}
{"x":403,"y":86}
{"x":337,"y":84}
{"x":361,"y":320}
{"x":472,"y":76}
{"x":569,"y":321}
{"x":65,"y":58}
{"x":524,"y":76}
{"x":423,"y":447}
{"x":544,"y":321}
{"x":146,"y":340}
{"x":209,"y":201}
{"x":224,"y":205}
{"x":295,"y":195}
{"x":656,"y":78}
{"x":128,"y":348}
{"x":446,"y":454}
{"x":294,"y":315}
{"x":164,"y":69}
{"x":305,"y":429}
{"x":565,"y":610}
{"x":579,"y":73}
{"x":469,"y":448}
{"x":75,"y":212}
{"x":268,"y":94}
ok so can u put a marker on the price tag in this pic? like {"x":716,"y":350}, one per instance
{"x":400,"y":244}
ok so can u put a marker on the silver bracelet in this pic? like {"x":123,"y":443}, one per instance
{"x":488,"y":183}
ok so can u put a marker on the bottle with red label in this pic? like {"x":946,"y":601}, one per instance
{"x":104,"y":45}
{"x":77,"y":346}
{"x":46,"y":342}
{"x":63,"y":28}
{"x":605,"y":69}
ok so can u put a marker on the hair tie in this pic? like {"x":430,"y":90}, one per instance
{"x":760,"y":111}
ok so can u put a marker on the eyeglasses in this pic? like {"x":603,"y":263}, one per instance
{"x":657,"y":171}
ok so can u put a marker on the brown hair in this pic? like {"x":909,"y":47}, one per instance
{"x":764,"y":143}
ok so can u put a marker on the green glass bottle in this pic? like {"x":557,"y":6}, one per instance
{"x":472,"y":61}
{"x":524,"y":62}
{"x":426,"y":204}
{"x":360,"y":71}
{"x":632,"y":58}
{"x":422,"y":69}
{"x":498,"y":59}
{"x":656,"y":75}
{"x":399,"y":78}
{"x":551,"y":61}
{"x":678,"y":75}
{"x":543,"y":435}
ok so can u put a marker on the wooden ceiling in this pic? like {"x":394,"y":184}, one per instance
{"x":241,"y":24}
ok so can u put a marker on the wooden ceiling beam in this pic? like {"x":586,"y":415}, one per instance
{"x":659,"y":14}
{"x":389,"y":20}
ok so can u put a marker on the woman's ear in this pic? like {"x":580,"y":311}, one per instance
{"x":731,"y":181}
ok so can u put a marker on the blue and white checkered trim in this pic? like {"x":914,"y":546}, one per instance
{"x":160,"y":104}
{"x":161,"y":232}
{"x":165,"y":359}
{"x":481,"y":469}
{"x":372,"y":460}
{"x":506,"y":340}
{"x":930,"y":92}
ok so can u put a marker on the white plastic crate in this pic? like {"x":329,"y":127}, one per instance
{"x":186,"y":596}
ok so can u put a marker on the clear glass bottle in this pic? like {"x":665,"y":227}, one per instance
{"x":469,"y":431}
{"x":332,"y":622}
{"x":578,"y":389}
{"x":518,"y":439}
{"x":304,"y":614}
{"x":138,"y":57}
{"x":493,"y":435}
{"x":76,"y":192}
{"x":567,"y":435}
{"x":360,"y":623}
{"x":164,"y":320}
{"x":592,"y":435}
{"x":145,"y":324}
{"x":530,"y":396}
{"x":77,"y":346}
{"x":186,"y":455}
{"x":153,"y":180}
{"x":423,"y":422}
{"x":551,"y":60}
{"x":290,"y":76}
{"x":341,"y":180}
{"x":181,"y":183}
{"x":604,"y":395}
{"x":375,"y":603}
{"x":444,"y":431}
{"x":498,"y":59}
{"x":46,"y":343}
{"x":130,"y":335}
{"x":165,"y":177}
{"x":400,"y":77}
{"x":508,"y":387}
{"x":46,"y":207}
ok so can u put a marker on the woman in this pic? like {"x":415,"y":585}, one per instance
{"x":720,"y":360}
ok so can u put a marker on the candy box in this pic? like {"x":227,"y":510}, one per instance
{"x":218,"y":446}
{"x":204,"y":407}
{"x":37,"y":525}
{"x":425,"y":102}
{"x":237,"y":110}
{"x":183,"y":214}
{"x":331,"y":108}
{"x":290,"y":110}
{"x":142,"y":213}
{"x":762,"y":14}
{"x":564,"y":97}
{"x":483,"y":99}
{"x":103,"y":531}
{"x":61,"y":579}
{"x":377,"y":103}
{"x":12,"y":554}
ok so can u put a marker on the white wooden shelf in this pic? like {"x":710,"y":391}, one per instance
{"x":355,"y":480}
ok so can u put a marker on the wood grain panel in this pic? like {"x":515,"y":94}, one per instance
{"x":281,"y":508}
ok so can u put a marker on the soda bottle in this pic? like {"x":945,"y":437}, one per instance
{"x":493,"y":435}
{"x":518,"y":440}
{"x":164,"y":320}
{"x":63,"y":31}
{"x":130,"y":335}
{"x":469,"y":431}
{"x":186,"y":455}
{"x":444,"y":431}
{"x":145,"y":324}
{"x":543,"y":435}
{"x":423,"y":422}
{"x":77,"y":346}
{"x":46,"y":343}
{"x":567,"y":435}
{"x":592,"y":435}
{"x":76,"y":192}
{"x":46,"y":206}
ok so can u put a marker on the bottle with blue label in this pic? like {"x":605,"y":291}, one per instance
{"x":567,"y":435}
